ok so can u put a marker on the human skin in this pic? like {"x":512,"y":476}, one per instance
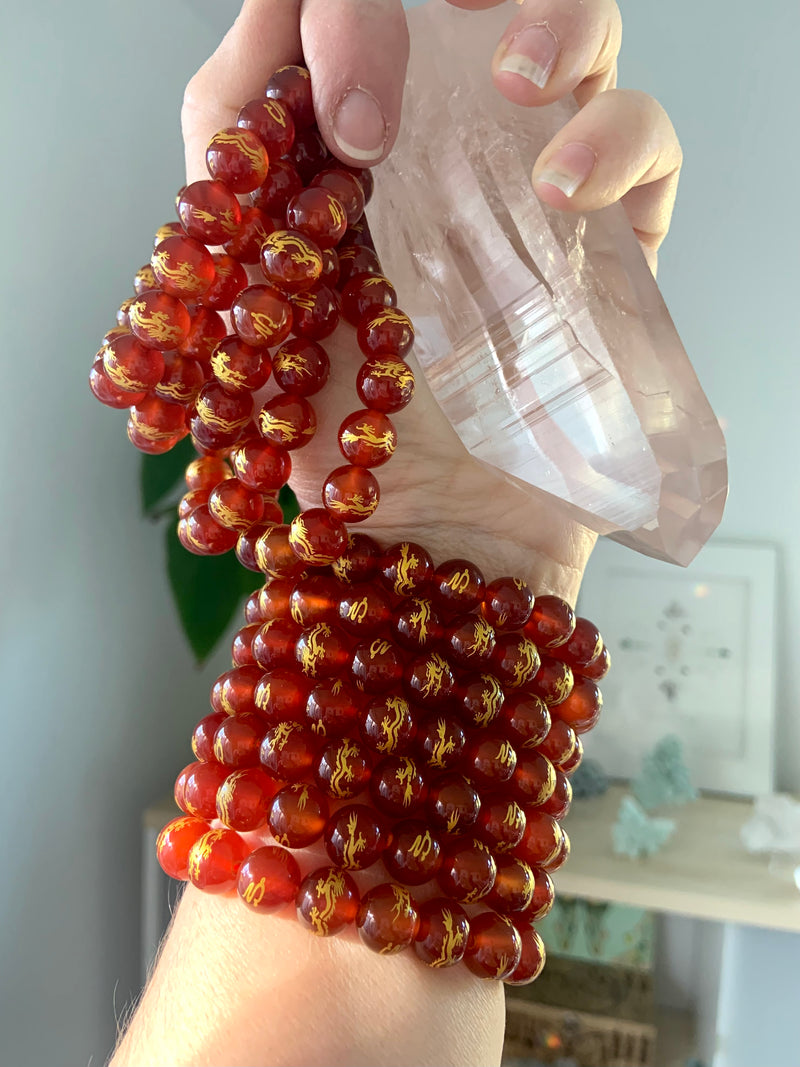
{"x":232,"y":987}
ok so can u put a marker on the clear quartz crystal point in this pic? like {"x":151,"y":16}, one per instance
{"x":543,"y":335}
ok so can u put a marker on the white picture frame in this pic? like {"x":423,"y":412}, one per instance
{"x":693,"y":654}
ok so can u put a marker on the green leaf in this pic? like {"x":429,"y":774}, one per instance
{"x":207,"y":591}
{"x":288,"y":501}
{"x":160,"y":474}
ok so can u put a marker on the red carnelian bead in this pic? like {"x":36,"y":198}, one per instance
{"x":151,"y":444}
{"x":387,"y":920}
{"x":453,"y":803}
{"x":291,"y":85}
{"x":532,"y":957}
{"x":316,"y":537}
{"x":238,"y":687}
{"x":513,"y":885}
{"x":440,"y":742}
{"x":344,"y":768}
{"x":215,"y":859}
{"x":132,"y":367}
{"x":309,"y":154}
{"x":441,"y":939}
{"x":569,"y":766}
{"x":238,"y":740}
{"x":179,"y":788}
{"x":234,"y":506}
{"x":223,"y":412}
{"x":542,"y":839}
{"x":275,"y":599}
{"x":332,"y":709}
{"x":489,"y":760}
{"x":359,"y":561}
{"x":245,"y":548}
{"x":281,"y":695}
{"x":481,"y":699}
{"x":367,"y":438}
{"x":291,"y":261}
{"x":581,"y":709}
{"x":301,"y":366}
{"x":414,"y":855}
{"x":203,"y":535}
{"x":206,"y":439}
{"x":273,"y":645}
{"x":507,"y":603}
{"x":252,"y":608}
{"x":174,"y":844}
{"x":397,"y":786}
{"x":275,"y":555}
{"x":429,"y":681}
{"x":113,"y":334}
{"x":355,"y":837}
{"x":323,"y":651}
{"x":315,"y":599}
{"x":260,"y":465}
{"x":206,"y":471}
{"x":278,"y":188}
{"x":561,"y":856}
{"x":583,"y":647}
{"x":181,"y":381}
{"x":387,"y":332}
{"x":534,"y":778}
{"x":559,"y":742}
{"x":347,"y":189}
{"x":169,"y":229}
{"x":268,"y":879}
{"x":471,"y":641}
{"x":182,"y":267}
{"x":515,"y":660}
{"x":106,"y":391}
{"x":351,"y":493}
{"x":203,"y":736}
{"x":377,"y":666}
{"x":239,"y":366}
{"x":544,"y":895}
{"x":287,"y":421}
{"x":327,"y":901}
{"x":297,"y":815}
{"x":494,"y":948}
{"x":364,"y":609}
{"x":318,"y":214}
{"x":457,"y":586}
{"x":245,"y":245}
{"x":551,"y":623}
{"x":365,"y":292}
{"x":553,"y":681}
{"x":366,"y":179}
{"x":388,"y":725}
{"x":407,"y":569}
{"x":272,"y":124}
{"x":237,"y":157}
{"x":244,"y":797}
{"x":416,"y":625}
{"x":385,"y":384}
{"x":123,"y":314}
{"x":560,"y":801}
{"x":200,"y":787}
{"x":229,"y":278}
{"x":205,"y":333}
{"x":525,"y":720}
{"x":288,"y":751}
{"x":262,"y":316}
{"x":598,"y":668}
{"x":330,"y":268}
{"x":468,"y":870}
{"x":209,"y":212}
{"x":315,"y":312}
{"x":356,"y":259}
{"x":144,"y":278}
{"x":501,"y":824}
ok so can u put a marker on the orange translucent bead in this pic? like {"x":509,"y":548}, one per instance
{"x":542,"y":839}
{"x":583,"y":646}
{"x":237,"y":741}
{"x":291,"y":261}
{"x":441,"y":939}
{"x":430,"y":682}
{"x":525,"y":720}
{"x":513,"y":886}
{"x":359,"y":561}
{"x":344,"y":768}
{"x":481,"y":699}
{"x":237,"y":157}
{"x":317,"y":538}
{"x":534,"y":777}
{"x":507,"y":603}
{"x":314,"y":600}
{"x":471,"y":641}
{"x":351,"y":493}
{"x":261,"y":465}
{"x":387,"y":920}
{"x":355,"y":837}
{"x":414,"y":855}
{"x":323,"y":651}
{"x":123,"y":313}
{"x":440,"y":742}
{"x":553,"y":681}
{"x":169,"y":229}
{"x":181,"y":381}
{"x":246,"y":544}
{"x":205,"y":333}
{"x":130,"y":366}
{"x":315,"y":312}
{"x":235,"y":506}
{"x":215,"y":859}
{"x":364,"y":292}
{"x":291,"y":85}
{"x":327,"y":901}
{"x":559,"y":742}
{"x":364,"y":610}
{"x":561,"y":857}
{"x":289,"y":751}
{"x":309,"y":154}
{"x":262,"y":316}
{"x":190,"y":501}
{"x":159,"y":320}
{"x":468,"y":870}
{"x":544,"y":896}
{"x":280,"y":185}
{"x":377,"y":666}
{"x":230,"y":278}
{"x":457,"y":587}
{"x":598,"y":668}
{"x":388,"y":725}
{"x":332,"y":709}
{"x":152,"y":445}
{"x":238,"y":686}
{"x":206,"y":471}
{"x":268,"y":879}
{"x":114,"y":333}
{"x":415,"y":624}
{"x":275,"y":599}
{"x":297,"y":815}
{"x":274,"y":644}
{"x":490,"y":760}
{"x":209,"y":212}
{"x":255,"y":227}
{"x":551,"y":623}
{"x":180,"y":785}
{"x":398,"y":786}
{"x":301,"y":367}
{"x":175,"y":842}
{"x":453,"y":803}
{"x":582,"y":707}
{"x":200,"y":784}
{"x":252,"y":607}
{"x":356,"y":259}
{"x":494,"y":948}
{"x":281,"y":696}
{"x":532,"y":957}
{"x":106,"y":391}
{"x":244,"y":797}
{"x":569,"y":766}
{"x":275,"y":555}
{"x":182,"y":267}
{"x":385,"y":384}
{"x":223,"y":412}
{"x":560,"y":801}
{"x":347,"y":189}
{"x":515,"y":659}
{"x":203,"y":736}
{"x":407,"y":569}
{"x":318,"y":214}
{"x":387,"y":332}
{"x":202,"y":535}
{"x":287,"y":421}
{"x":501,"y":824}
{"x":144,"y":278}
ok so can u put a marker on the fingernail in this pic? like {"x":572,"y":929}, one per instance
{"x":531,"y":53}
{"x":359,"y":126}
{"x":569,"y":168}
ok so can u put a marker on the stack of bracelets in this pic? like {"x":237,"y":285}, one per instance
{"x":399,"y":712}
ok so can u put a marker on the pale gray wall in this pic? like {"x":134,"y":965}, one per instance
{"x":98,"y":691}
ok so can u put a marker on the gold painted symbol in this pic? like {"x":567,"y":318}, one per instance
{"x":343,"y":770}
{"x":482,"y":640}
{"x":353,"y":844}
{"x":443,"y":746}
{"x":365,"y":434}
{"x":491,"y":699}
{"x":421,"y":846}
{"x":328,"y":889}
{"x":254,"y":893}
{"x":313,"y":649}
{"x":458,"y":582}
{"x":379,"y":647}
{"x":437,"y":675}
{"x":391,"y":728}
{"x":238,"y":139}
{"x":404,"y":580}
{"x":157,"y":324}
{"x":527,"y":664}
{"x":420,"y":618}
{"x":452,"y":941}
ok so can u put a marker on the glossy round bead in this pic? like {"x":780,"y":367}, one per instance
{"x":377,"y":666}
{"x":515,"y":660}
{"x":181,"y":381}
{"x":330,"y":268}
{"x":407,"y":569}
{"x":281,"y":184}
{"x":344,"y":768}
{"x":237,"y":689}
{"x":415,"y":853}
{"x":190,"y":501}
{"x":237,"y":157}
{"x":489,"y":760}
{"x":179,"y":789}
{"x":365,"y":292}
{"x":317,"y":538}
{"x":398,"y":787}
{"x":206,"y":471}
{"x":203,"y":736}
{"x":323,"y":651}
{"x":551,"y":623}
{"x":175,"y":842}
{"x":271,"y":122}
{"x":238,"y":366}
{"x":387,"y":332}
{"x":471,"y":641}
{"x":569,"y":766}
{"x":209,"y":212}
{"x":501,"y":824}
{"x":262,"y":316}
{"x":582,"y":708}
{"x":415,"y":624}
{"x":561,"y":856}
{"x":367,"y":438}
{"x":275,"y":555}
{"x":453,"y":803}
{"x":123,"y":314}
{"x":291,"y":261}
{"x":274,"y":644}
{"x":274,"y":600}
{"x":481,"y":699}
{"x":441,"y":939}
{"x":288,"y":751}
{"x":468,"y":870}
{"x":244,"y":797}
{"x":309,"y":154}
{"x":201,"y":534}
{"x":144,"y":278}
{"x":301,"y":367}
{"x":440,"y":742}
{"x":169,"y":229}
{"x":364,"y":610}
{"x":332,"y":709}
{"x":385,"y":384}
{"x":229,"y":278}
{"x":544,"y":895}
{"x":513,"y":886}
{"x":235,"y":506}
{"x":387,"y":920}
{"x":151,"y":444}
{"x":559,"y":742}
{"x":158,"y":420}
{"x":327,"y":901}
{"x":182,"y":267}
{"x":354,"y":837}
{"x":347,"y":189}
{"x":534,"y":777}
{"x":252,"y":611}
{"x":112,"y":335}
{"x":200,"y":785}
{"x":106,"y":391}
{"x":583,"y":646}
{"x":237,"y":740}
{"x":560,"y":801}
{"x":542,"y":839}
{"x":532,"y":957}
{"x":351,"y":493}
{"x":223,"y":412}
{"x":206,"y":330}
{"x":287,"y":421}
{"x":598,"y":668}
{"x":255,"y":227}
{"x":318,"y":214}
{"x":553,"y":681}
{"x":315,"y":599}
{"x":457,"y":587}
{"x":315,"y":312}
{"x":494,"y":948}
{"x":525,"y":720}
{"x":354,"y":260}
{"x":215,"y":859}
{"x":291,"y":85}
{"x":132,"y":367}
{"x":359,"y":561}
{"x":261,"y":465}
{"x":246,"y":543}
{"x":388,"y":726}
{"x":268,"y":879}
{"x":297,"y":815}
{"x":507,"y":603}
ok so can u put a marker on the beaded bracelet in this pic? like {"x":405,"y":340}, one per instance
{"x":398,"y":712}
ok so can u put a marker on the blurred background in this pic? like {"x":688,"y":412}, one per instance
{"x":100,"y":691}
